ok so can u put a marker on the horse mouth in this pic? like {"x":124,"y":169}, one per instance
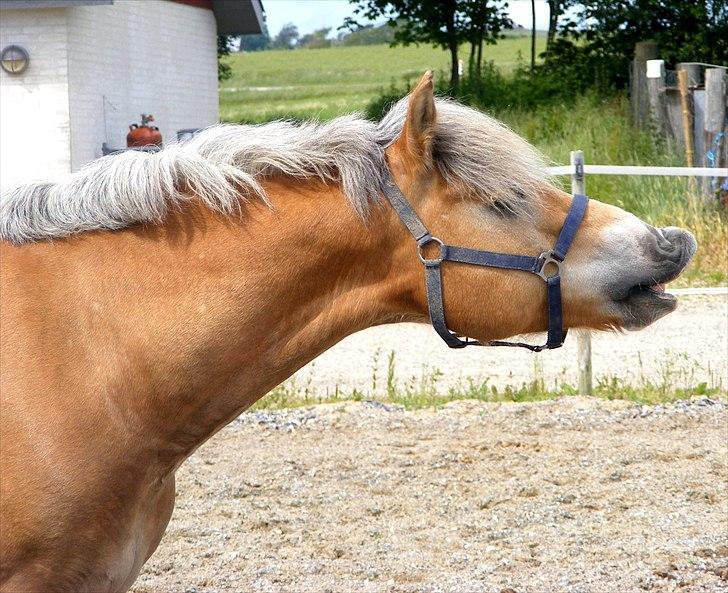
{"x":641,"y":298}
{"x":646,"y":303}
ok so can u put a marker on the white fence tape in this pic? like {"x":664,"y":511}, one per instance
{"x":632,"y":170}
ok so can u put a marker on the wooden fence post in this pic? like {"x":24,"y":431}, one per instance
{"x":716,"y":81}
{"x":687,"y":116}
{"x":583,"y":336}
{"x":639,"y":100}
{"x":656,"y":89}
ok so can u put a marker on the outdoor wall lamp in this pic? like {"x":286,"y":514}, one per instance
{"x":14,"y":59}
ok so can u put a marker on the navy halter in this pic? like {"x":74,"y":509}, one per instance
{"x":547,"y":266}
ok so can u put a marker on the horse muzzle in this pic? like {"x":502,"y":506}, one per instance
{"x":641,"y":298}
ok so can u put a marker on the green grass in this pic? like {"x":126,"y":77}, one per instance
{"x":324,"y":83}
{"x":677,"y":378}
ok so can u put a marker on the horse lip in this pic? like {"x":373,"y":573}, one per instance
{"x":657,"y":278}
{"x":654,"y":286}
{"x":643,"y":304}
{"x":649,"y":290}
{"x":637,"y":292}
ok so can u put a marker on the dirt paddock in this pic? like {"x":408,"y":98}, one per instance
{"x":573,"y":495}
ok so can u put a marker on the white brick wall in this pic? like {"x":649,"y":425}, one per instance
{"x":151,"y":56}
{"x":34,"y":115}
{"x":156,"y":57}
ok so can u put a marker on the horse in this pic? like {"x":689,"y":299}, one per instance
{"x":150,"y":298}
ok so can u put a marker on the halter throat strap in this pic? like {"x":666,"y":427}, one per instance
{"x":547,"y":266}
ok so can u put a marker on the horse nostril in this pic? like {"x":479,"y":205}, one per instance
{"x":672,"y":233}
{"x":675,"y":243}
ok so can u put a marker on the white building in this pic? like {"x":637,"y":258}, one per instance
{"x":95,"y":65}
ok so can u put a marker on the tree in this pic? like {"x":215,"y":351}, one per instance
{"x":603,"y":34}
{"x":483,"y":22}
{"x":255,"y":42}
{"x":417,"y":21}
{"x":533,"y":36}
{"x":224,"y":71}
{"x":286,"y":38}
{"x":317,"y":39}
{"x":444,"y":23}
{"x":368,"y":35}
{"x":557,"y":8}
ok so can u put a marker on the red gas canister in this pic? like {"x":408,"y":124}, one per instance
{"x":144,"y":134}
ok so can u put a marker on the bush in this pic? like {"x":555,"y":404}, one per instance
{"x":551,"y":83}
{"x":602,"y":35}
{"x":489,"y":89}
{"x":376,"y":109}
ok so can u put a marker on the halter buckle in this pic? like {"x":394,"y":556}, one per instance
{"x":545,"y":260}
{"x":426,"y":240}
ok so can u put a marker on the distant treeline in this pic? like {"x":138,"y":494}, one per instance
{"x":290,"y":38}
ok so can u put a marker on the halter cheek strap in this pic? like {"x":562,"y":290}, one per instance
{"x":547,"y":266}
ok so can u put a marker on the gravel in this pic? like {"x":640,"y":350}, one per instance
{"x":570,"y":495}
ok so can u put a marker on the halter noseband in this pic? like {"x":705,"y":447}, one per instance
{"x":536,"y":265}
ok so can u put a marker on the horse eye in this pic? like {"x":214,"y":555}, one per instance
{"x":501,"y":208}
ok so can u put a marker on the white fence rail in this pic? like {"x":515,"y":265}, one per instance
{"x":577,"y":170}
{"x":652,"y":171}
{"x":706,"y":291}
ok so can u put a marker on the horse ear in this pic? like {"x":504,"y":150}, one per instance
{"x":419,"y":127}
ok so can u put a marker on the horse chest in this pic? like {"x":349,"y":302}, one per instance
{"x":102,"y":553}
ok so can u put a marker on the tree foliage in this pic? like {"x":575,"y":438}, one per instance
{"x":483,"y":22}
{"x":368,"y":35}
{"x":255,"y":42}
{"x":317,"y":39}
{"x":557,"y":8}
{"x":601,"y":35}
{"x":286,"y":38}
{"x":224,"y":71}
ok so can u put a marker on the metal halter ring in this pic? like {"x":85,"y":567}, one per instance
{"x":426,"y":240}
{"x":545,"y":259}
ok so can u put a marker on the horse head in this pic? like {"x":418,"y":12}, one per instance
{"x":475,"y":184}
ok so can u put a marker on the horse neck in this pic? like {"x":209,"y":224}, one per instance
{"x":205,"y":314}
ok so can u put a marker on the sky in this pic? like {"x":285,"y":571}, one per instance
{"x":309,"y":15}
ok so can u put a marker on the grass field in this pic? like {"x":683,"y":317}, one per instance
{"x":325,"y":83}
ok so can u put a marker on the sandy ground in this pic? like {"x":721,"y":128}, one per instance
{"x":687,"y":347}
{"x":573,"y":495}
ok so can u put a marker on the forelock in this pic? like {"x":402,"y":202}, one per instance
{"x":482,"y":157}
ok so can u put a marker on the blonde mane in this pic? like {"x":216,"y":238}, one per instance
{"x":225,"y":163}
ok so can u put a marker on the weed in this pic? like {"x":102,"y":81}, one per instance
{"x":391,"y":380}
{"x":677,"y":378}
